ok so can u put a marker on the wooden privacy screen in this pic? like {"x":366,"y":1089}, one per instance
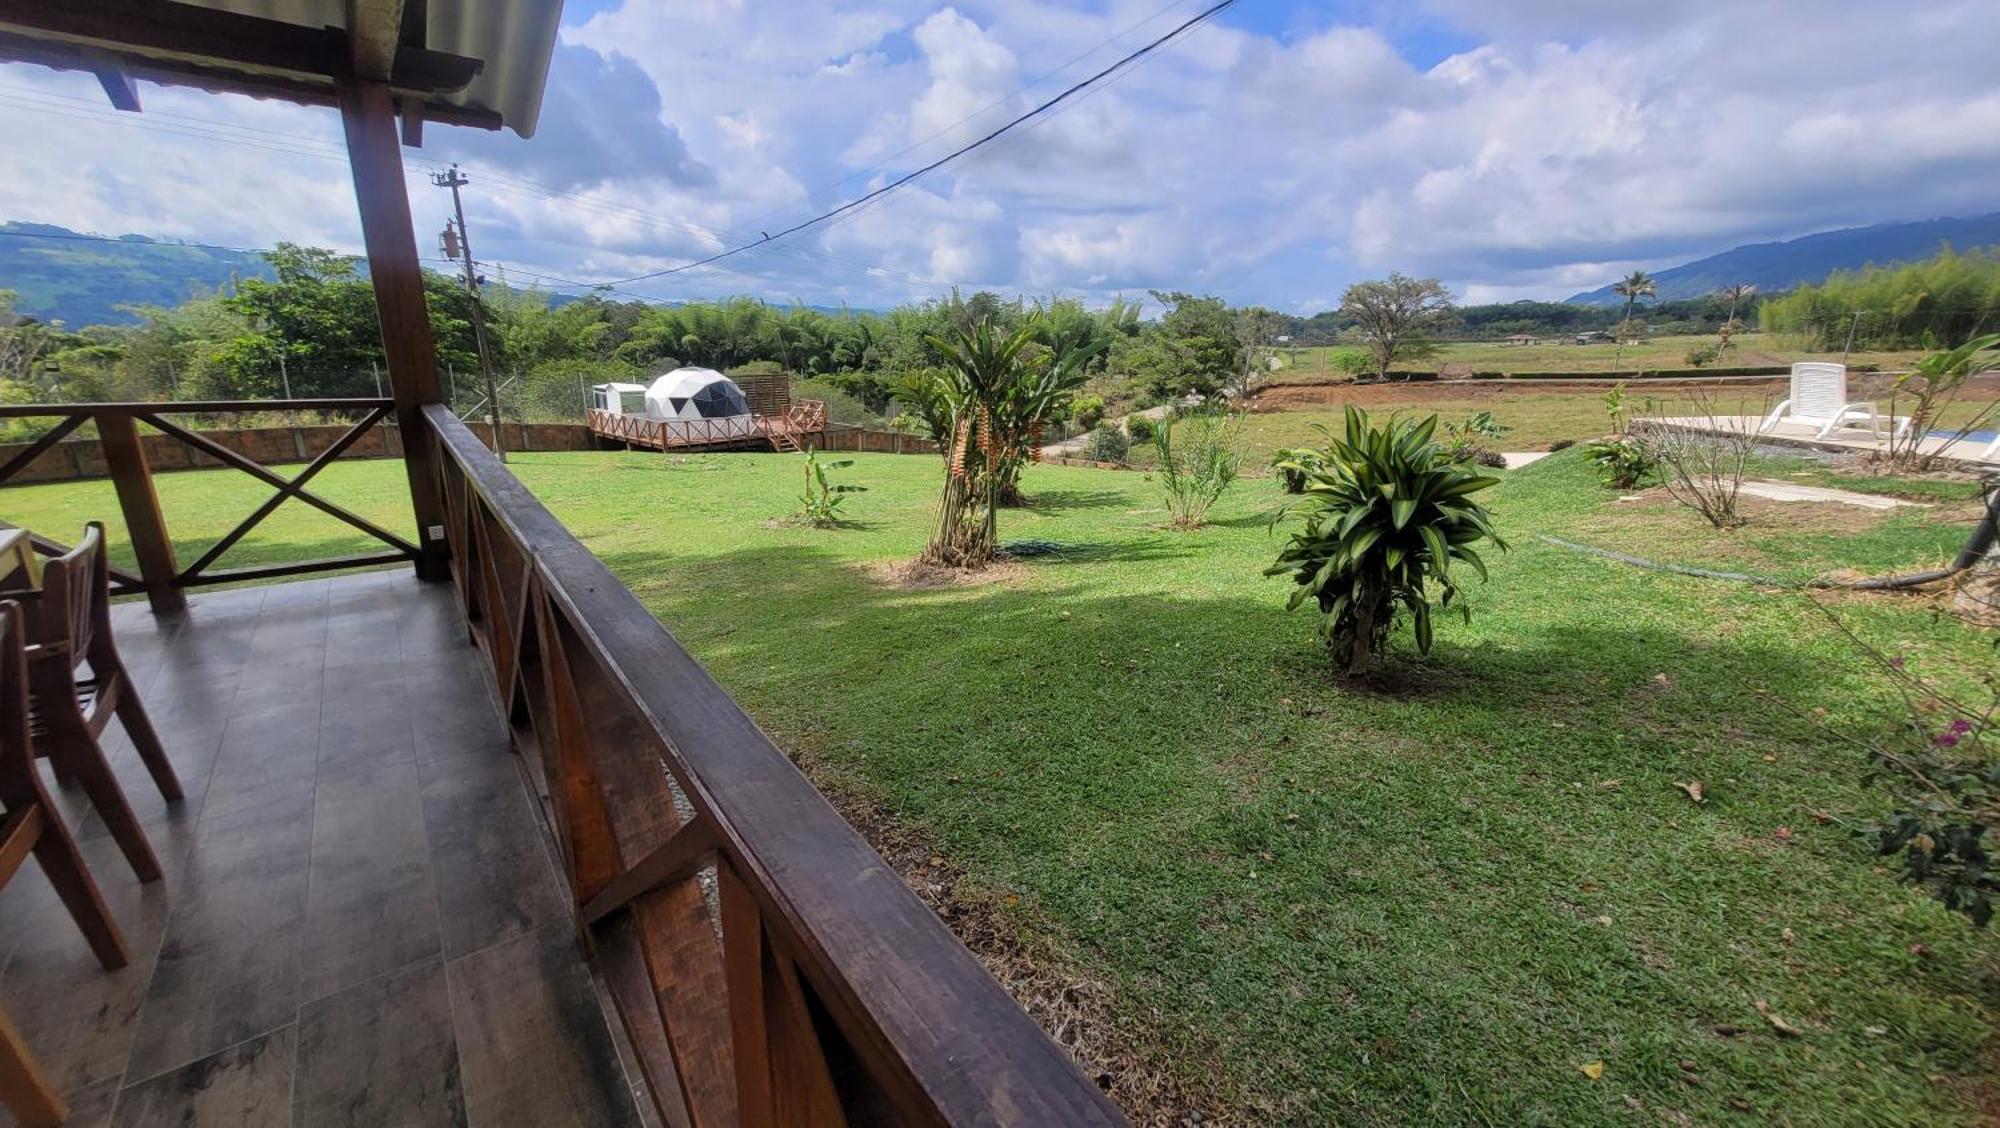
{"x":768,"y":965}
{"x":161,"y":577}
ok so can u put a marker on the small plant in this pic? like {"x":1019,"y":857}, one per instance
{"x":1614,"y":408}
{"x":1467,"y":441}
{"x":1386,"y":516}
{"x":1703,"y":466}
{"x":823,"y":497}
{"x":1623,"y":462}
{"x":1140,"y":427}
{"x":1941,"y":764}
{"x":1198,"y":460}
{"x":1107,"y":443}
{"x":1934,"y":385}
{"x":1701,"y":356}
{"x":1290,"y":462}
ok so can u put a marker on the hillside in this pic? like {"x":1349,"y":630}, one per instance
{"x":1780,"y":266}
{"x":82,"y":279}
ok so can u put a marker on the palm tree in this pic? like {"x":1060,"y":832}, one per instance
{"x":1632,"y":287}
{"x":1736,"y":294}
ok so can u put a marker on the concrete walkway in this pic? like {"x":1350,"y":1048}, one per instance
{"x":1790,"y":491}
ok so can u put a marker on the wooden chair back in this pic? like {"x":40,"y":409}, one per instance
{"x":76,"y":597}
{"x":16,"y":751}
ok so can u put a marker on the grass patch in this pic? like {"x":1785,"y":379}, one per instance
{"x":1432,"y":898}
{"x":1314,"y":365}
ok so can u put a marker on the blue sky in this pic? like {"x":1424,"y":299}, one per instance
{"x":1514,"y":148}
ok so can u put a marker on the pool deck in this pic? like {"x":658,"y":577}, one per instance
{"x":1845,"y":441}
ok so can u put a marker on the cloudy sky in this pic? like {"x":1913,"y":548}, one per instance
{"x":1515,"y":148}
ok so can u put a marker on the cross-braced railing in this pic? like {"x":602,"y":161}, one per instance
{"x":161,"y":577}
{"x":768,"y":965}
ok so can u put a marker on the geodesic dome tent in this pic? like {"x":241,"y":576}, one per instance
{"x":699,"y":403}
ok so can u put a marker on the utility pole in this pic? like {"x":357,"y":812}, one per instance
{"x":1851,"y":327}
{"x":455,"y":180}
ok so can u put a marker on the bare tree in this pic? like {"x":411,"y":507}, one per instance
{"x":1704,"y":461}
{"x":1394,"y":317}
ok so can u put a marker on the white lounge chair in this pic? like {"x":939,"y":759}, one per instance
{"x":1819,"y":399}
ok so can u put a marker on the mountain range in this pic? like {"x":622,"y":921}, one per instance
{"x":1772,"y":267}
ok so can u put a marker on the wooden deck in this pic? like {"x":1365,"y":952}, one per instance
{"x":790,"y":431}
{"x":361,"y":922}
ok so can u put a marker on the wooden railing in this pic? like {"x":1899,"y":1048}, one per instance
{"x":803,"y":417}
{"x":161,"y":577}
{"x":768,"y":965}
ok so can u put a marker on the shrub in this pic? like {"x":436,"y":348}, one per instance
{"x":1353,"y":363}
{"x":1623,"y":462}
{"x":1087,"y":410}
{"x":1704,"y":467}
{"x":822,"y":497}
{"x":1561,"y":444}
{"x":1933,"y":386}
{"x":1107,"y":444}
{"x":1289,"y":463}
{"x":1198,"y":460}
{"x":1140,"y":427}
{"x":1488,"y":374}
{"x":1386,"y":515}
{"x":1701,"y":356}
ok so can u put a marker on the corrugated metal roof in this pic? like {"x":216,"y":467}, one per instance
{"x":514,"y":37}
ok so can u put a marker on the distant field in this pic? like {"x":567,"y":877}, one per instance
{"x":1314,"y":365}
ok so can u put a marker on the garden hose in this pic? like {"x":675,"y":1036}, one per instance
{"x":1977,"y":546}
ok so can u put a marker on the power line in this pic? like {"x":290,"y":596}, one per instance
{"x":995,"y":104}
{"x":900,"y":181}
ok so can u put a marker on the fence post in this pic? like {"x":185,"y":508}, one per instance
{"x":126,"y":459}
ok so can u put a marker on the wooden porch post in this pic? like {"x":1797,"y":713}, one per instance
{"x":125,"y":457}
{"x":368,"y":111}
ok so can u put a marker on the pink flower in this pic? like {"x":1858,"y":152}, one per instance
{"x":1947,"y":739}
{"x":1961,"y":726}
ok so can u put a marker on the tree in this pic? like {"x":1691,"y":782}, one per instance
{"x":1734,"y":295}
{"x":1192,"y":349}
{"x":1394,"y":317}
{"x":992,"y":395}
{"x":1632,"y":287}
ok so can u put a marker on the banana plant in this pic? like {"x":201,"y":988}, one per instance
{"x":1387,"y":516}
{"x":823,"y":496}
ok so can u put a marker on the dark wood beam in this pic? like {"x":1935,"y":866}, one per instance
{"x":368,"y":113}
{"x":167,"y":32}
{"x":118,"y":86}
{"x":413,"y":122}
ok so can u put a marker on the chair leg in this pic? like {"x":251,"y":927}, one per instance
{"x":63,"y":865}
{"x":87,"y":761}
{"x":138,"y":726}
{"x":24,"y":1089}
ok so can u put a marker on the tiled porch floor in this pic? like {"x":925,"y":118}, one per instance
{"x":360,"y":922}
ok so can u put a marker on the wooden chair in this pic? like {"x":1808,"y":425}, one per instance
{"x":69,"y":626}
{"x":31,"y":824}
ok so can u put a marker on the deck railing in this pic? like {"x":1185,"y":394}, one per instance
{"x":161,"y":577}
{"x":803,"y":417}
{"x":768,"y":965}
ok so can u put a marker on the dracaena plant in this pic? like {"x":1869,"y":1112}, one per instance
{"x":1390,"y":522}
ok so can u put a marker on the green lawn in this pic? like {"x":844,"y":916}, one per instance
{"x":1431,"y":900}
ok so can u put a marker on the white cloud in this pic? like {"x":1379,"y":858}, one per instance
{"x":1566,"y":142}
